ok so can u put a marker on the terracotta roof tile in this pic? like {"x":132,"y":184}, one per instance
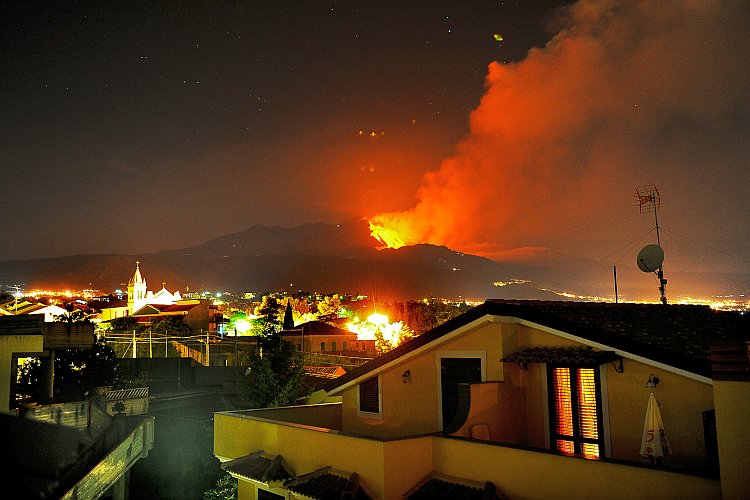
{"x":259,"y":467}
{"x":562,"y":355}
{"x":324,"y":484}
{"x":316,"y":328}
{"x":435,"y":488}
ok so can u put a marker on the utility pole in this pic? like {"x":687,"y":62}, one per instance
{"x":208,"y":354}
{"x":614,"y":270}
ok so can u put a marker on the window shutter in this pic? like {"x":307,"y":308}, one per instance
{"x":369,"y":400}
{"x":575,"y":411}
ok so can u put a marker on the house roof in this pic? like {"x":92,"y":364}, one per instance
{"x":437,"y":488}
{"x":572,"y":355}
{"x":116,"y":304}
{"x":325,"y":484}
{"x":324,"y":371}
{"x":316,"y":328}
{"x":156,"y":309}
{"x":259,"y":467}
{"x":674,"y":335}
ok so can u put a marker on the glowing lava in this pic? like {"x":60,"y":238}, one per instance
{"x":387,"y":235}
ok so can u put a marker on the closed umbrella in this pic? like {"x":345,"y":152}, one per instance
{"x":654,"y":444}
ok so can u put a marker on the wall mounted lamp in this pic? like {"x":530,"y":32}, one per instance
{"x":406,"y":376}
{"x":652,"y":381}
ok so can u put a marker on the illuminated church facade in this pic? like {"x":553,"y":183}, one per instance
{"x":138,"y":296}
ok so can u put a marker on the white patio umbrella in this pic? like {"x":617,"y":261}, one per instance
{"x":654,"y":443}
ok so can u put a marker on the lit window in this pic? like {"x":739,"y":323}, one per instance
{"x":575,"y":411}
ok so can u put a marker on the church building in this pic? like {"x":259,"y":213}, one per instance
{"x":138,"y":296}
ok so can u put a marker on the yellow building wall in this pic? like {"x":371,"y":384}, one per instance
{"x":405,"y":463}
{"x":10,"y":344}
{"x":304,"y":449}
{"x":520,"y":396}
{"x":412,"y":408}
{"x":533,"y":475}
{"x":733,"y":435}
{"x":681,"y":402}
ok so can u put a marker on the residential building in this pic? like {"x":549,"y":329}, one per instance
{"x":50,"y":311}
{"x":70,"y":450}
{"x":521,"y":399}
{"x":321,"y":337}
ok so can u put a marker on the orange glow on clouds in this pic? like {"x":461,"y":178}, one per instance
{"x":559,"y":137}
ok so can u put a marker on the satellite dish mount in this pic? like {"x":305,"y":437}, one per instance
{"x":651,"y":257}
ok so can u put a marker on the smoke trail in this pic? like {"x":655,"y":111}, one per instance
{"x":628,"y":92}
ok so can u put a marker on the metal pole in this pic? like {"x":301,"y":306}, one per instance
{"x":134,"y":344}
{"x":614,"y":270}
{"x":150,"y":345}
{"x":208,"y":354}
{"x":660,"y":272}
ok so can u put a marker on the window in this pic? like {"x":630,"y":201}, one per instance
{"x":333,"y":346}
{"x":267,"y":495}
{"x":575,"y":411}
{"x":343,"y":346}
{"x":369,"y":396}
{"x":322,"y":347}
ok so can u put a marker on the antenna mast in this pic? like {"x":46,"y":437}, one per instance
{"x":649,"y":200}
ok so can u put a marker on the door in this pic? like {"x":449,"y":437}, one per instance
{"x":454,"y":371}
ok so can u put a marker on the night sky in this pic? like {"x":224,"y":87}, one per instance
{"x":131,"y":127}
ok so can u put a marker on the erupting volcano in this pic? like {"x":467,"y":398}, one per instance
{"x":560,"y":138}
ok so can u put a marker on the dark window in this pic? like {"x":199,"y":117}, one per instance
{"x":322,"y":346}
{"x":343,"y":346}
{"x":454,"y":371}
{"x":575,"y":410}
{"x":369,"y":399}
{"x":333,"y":346}
{"x":267,"y":495}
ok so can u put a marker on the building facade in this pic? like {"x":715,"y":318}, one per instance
{"x":537,"y":399}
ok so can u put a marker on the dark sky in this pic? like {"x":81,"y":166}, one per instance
{"x":138,"y":126}
{"x":131,"y":127}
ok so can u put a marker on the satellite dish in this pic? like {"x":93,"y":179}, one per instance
{"x":650,"y":258}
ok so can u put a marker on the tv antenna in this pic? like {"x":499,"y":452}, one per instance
{"x":651,"y":257}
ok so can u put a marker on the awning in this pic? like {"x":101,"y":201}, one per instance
{"x":570,"y":355}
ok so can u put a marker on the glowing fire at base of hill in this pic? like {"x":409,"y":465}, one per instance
{"x":376,"y":327}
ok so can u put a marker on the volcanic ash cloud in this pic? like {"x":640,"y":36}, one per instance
{"x":626,"y":93}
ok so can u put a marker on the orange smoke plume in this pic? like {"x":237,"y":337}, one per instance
{"x":560,"y":138}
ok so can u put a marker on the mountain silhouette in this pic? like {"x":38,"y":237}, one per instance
{"x":317,"y":257}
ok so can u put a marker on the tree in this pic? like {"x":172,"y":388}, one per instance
{"x":172,"y":325}
{"x":224,"y":489}
{"x":125,"y":324}
{"x":274,"y":372}
{"x":77,"y":372}
{"x":329,"y":306}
